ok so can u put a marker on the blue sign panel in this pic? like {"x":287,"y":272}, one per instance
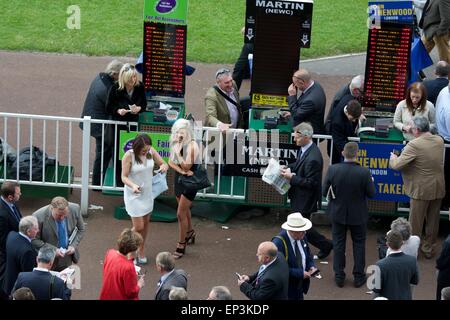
{"x":391,"y":11}
{"x":388,"y":182}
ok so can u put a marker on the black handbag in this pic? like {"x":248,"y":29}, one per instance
{"x":196,"y":182}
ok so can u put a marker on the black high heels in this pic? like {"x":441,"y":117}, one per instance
{"x":180,"y":250}
{"x":190,"y":237}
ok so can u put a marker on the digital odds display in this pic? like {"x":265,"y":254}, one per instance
{"x":387,"y":66}
{"x":164,"y":59}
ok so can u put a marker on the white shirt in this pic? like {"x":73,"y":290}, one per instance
{"x":305,"y":148}
{"x":41,"y":269}
{"x":304,"y":91}
{"x":232,"y":109}
{"x":443,"y":113}
{"x":25,"y":236}
{"x":164,"y":277}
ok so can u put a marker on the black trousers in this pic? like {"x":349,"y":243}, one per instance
{"x":241,"y":68}
{"x":317,"y":239}
{"x":446,"y":200}
{"x":107,"y":154}
{"x":358,"y":234}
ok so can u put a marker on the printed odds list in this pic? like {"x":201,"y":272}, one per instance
{"x":164,"y":59}
{"x":387,"y":67}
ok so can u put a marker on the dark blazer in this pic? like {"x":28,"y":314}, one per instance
{"x":119,"y":99}
{"x":398,"y":272}
{"x":8,"y":222}
{"x":273,"y":282}
{"x":297,"y":285}
{"x":352,"y":185}
{"x":177,"y":278}
{"x":443,"y":264}
{"x":341,"y":129}
{"x":434,"y":87}
{"x":306,"y":184}
{"x":309,"y":107}
{"x":20,"y":257}
{"x":435,"y":18}
{"x":39,"y":283}
{"x":95,"y":103}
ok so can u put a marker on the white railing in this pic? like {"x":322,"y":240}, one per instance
{"x":56,"y":136}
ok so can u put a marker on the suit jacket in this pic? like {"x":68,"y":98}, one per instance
{"x":297,"y":285}
{"x":8,"y":222}
{"x":20,"y":257}
{"x":217,"y":110}
{"x":421,"y":165}
{"x":306,"y":184}
{"x":443,"y":264}
{"x":39,"y":283}
{"x":309,"y":107}
{"x":272,"y":284}
{"x":434,"y":87}
{"x":352,"y":184}
{"x":436,"y":18}
{"x":177,"y":278}
{"x":398,"y":272}
{"x":49,"y":232}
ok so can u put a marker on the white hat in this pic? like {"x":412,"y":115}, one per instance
{"x":296,"y":222}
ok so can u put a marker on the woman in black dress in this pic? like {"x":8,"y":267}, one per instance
{"x":183,"y":154}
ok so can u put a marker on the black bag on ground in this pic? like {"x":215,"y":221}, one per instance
{"x":196,"y":182}
{"x":38,"y":158}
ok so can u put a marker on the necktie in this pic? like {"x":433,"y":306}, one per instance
{"x":17,"y":215}
{"x":261,"y":270}
{"x":298,"y":255}
{"x":159,"y":282}
{"x":62,"y":235}
{"x":300,"y":153}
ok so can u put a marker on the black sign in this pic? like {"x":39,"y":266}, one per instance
{"x":253,"y":157}
{"x":164,"y":59}
{"x":387,"y":66}
{"x":301,"y":12}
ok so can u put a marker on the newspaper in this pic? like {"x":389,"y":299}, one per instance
{"x":272,"y":176}
{"x":67,"y":275}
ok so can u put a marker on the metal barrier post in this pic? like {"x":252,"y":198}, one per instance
{"x":85,"y":166}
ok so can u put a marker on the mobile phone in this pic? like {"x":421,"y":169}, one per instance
{"x":396,"y":152}
{"x":315,"y":273}
{"x":238,"y":275}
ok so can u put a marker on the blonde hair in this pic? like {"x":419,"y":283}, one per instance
{"x":126,"y":73}
{"x":177,"y":126}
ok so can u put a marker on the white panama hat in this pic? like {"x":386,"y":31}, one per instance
{"x":296,"y":222}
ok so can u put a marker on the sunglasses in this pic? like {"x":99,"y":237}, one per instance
{"x":221,"y":72}
{"x":127,"y":67}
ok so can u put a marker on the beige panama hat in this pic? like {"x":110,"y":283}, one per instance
{"x":296,"y":222}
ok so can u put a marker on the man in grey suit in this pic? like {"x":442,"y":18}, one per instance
{"x":435,"y":23}
{"x":348,"y":185}
{"x":170,"y":277}
{"x":62,"y":227}
{"x":223,"y":109}
{"x":306,"y":101}
{"x":421,"y":165}
{"x":397,"y":271}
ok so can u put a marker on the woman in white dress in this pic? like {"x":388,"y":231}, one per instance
{"x":137,"y":174}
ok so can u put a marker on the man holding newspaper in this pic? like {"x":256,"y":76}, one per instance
{"x":62,"y":227}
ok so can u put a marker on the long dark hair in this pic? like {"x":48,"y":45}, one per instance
{"x":139,"y":143}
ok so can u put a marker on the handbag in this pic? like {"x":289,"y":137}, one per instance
{"x":198,"y":181}
{"x":159,"y":184}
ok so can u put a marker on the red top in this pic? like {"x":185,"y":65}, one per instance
{"x":119,"y":278}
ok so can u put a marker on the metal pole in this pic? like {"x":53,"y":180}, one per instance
{"x":85,"y":166}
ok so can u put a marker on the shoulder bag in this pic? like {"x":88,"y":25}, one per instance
{"x":198,"y":181}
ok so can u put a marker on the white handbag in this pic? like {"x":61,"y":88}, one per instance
{"x":159,"y":184}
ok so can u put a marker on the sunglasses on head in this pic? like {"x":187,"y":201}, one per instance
{"x":221,"y":72}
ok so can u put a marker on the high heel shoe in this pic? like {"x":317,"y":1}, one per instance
{"x":190,"y":237}
{"x":179,"y":251}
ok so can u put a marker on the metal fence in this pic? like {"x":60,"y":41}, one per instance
{"x":62,"y":139}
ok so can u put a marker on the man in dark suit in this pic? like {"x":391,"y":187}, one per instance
{"x":344,"y":122}
{"x":291,"y":242}
{"x":95,"y":107}
{"x":223,"y":109}
{"x":397,"y":271}
{"x":435,"y":86}
{"x":271,"y":282}
{"x":351,"y":185}
{"x":436,"y":27}
{"x":42,"y":283}
{"x":305,"y":176}
{"x":443,"y":266}
{"x":170,"y":277}
{"x":9,"y":218}
{"x":306,"y":101}
{"x":20,"y":254}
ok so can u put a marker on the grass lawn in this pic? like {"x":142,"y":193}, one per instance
{"x":114,"y":27}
